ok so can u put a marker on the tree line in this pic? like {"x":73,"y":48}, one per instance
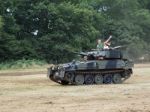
{"x":52,"y":30}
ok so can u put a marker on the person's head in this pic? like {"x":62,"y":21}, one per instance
{"x":85,"y":58}
{"x":99,"y":41}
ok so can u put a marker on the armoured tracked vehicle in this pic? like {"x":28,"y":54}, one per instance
{"x":97,"y":67}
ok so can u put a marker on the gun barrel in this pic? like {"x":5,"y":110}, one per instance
{"x":83,"y":54}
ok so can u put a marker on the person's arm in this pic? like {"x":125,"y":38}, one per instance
{"x":108,"y":39}
{"x":108,"y":44}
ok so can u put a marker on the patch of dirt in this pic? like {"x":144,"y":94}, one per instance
{"x":35,"y":93}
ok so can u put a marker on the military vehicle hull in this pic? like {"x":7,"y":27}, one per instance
{"x":105,"y":71}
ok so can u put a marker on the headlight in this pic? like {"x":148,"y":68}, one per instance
{"x":60,"y":68}
{"x":52,"y":67}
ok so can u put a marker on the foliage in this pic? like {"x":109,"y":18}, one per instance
{"x":1,"y":22}
{"x":52,"y":29}
{"x":22,"y":64}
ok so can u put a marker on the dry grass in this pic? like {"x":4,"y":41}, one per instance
{"x":35,"y":93}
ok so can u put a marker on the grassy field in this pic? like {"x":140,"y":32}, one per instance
{"x":23,"y":67}
{"x":35,"y":93}
{"x":22,"y":64}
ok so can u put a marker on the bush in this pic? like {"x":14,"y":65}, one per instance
{"x":22,"y":64}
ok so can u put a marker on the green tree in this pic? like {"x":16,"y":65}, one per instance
{"x":53,"y":29}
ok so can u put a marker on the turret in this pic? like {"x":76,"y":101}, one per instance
{"x":112,"y":53}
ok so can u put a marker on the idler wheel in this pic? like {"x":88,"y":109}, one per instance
{"x":108,"y":79}
{"x":89,"y":79}
{"x":79,"y":79}
{"x":117,"y":79}
{"x":98,"y":79}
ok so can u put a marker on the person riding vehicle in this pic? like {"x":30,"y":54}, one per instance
{"x":103,"y":45}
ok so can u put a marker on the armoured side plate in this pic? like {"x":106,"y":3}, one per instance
{"x":110,"y":64}
{"x":87,"y":65}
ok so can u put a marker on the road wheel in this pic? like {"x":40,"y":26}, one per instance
{"x":89,"y":79}
{"x":117,"y":79}
{"x":108,"y":79}
{"x":69,"y":76}
{"x":79,"y":79}
{"x":98,"y":79}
